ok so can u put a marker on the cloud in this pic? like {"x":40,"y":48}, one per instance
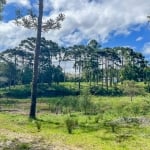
{"x":11,"y":35}
{"x":140,"y":38}
{"x":129,"y":46}
{"x":146,"y":48}
{"x":85,"y":20}
{"x":19,"y":2}
{"x":97,"y":19}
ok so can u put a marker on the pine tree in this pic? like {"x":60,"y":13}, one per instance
{"x":35,"y":22}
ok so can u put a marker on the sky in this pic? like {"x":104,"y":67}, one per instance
{"x":110,"y":22}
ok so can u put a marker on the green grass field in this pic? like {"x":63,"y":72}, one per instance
{"x":99,"y":131}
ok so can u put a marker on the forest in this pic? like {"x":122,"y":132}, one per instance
{"x":82,"y":96}
{"x":94,"y":65}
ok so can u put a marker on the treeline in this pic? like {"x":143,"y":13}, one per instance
{"x":92,"y":64}
{"x":17,"y":63}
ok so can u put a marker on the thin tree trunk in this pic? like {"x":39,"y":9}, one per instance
{"x":106,"y":73}
{"x":102,"y":74}
{"x":36,"y":61}
{"x":79,"y":86}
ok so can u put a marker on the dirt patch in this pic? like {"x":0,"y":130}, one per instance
{"x":141,"y":121}
{"x":17,"y":141}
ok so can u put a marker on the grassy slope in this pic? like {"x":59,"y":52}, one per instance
{"x":89,"y":135}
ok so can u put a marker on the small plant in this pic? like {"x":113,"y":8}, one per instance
{"x":122,"y":137}
{"x":38,"y":125}
{"x":16,"y":145}
{"x":111,"y":124}
{"x":22,"y":146}
{"x":86,"y":102}
{"x":71,"y":124}
{"x":97,"y":118}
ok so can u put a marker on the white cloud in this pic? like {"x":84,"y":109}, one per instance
{"x":94,"y":19}
{"x":97,"y":19}
{"x":11,"y":35}
{"x":140,"y":38}
{"x":146,"y":48}
{"x":129,"y":46}
{"x":19,"y":2}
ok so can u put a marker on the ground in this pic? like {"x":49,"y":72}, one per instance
{"x":93,"y":132}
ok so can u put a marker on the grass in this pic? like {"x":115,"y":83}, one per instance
{"x":53,"y":130}
{"x":91,"y":133}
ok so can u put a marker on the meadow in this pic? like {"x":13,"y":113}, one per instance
{"x":83,"y":122}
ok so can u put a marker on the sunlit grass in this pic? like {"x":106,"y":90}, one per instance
{"x":89,"y":135}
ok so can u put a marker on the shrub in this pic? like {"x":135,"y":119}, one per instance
{"x":56,"y":90}
{"x":85,"y":102}
{"x":97,"y":118}
{"x":113,"y":91}
{"x":71,"y":124}
{"x":38,"y":125}
{"x":18,"y":93}
{"x":22,"y":146}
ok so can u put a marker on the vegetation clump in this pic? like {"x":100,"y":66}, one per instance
{"x":71,"y":124}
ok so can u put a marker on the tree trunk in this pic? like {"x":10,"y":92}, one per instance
{"x":102,"y":73}
{"x":79,"y":81}
{"x":36,"y":61}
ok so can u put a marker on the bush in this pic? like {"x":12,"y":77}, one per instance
{"x":114,"y":91}
{"x":24,"y":91}
{"x":21,"y":92}
{"x":147,"y":88}
{"x":22,"y":146}
{"x":71,"y":124}
{"x":56,"y":90}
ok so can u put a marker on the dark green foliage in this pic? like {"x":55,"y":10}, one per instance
{"x":55,"y":90}
{"x":22,"y":146}
{"x":24,"y":91}
{"x":26,"y":76}
{"x":147,"y":78}
{"x":113,"y":91}
{"x":131,"y":72}
{"x":62,"y":91}
{"x":147,"y":88}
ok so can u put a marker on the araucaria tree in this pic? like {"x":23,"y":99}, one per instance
{"x":2,"y":2}
{"x":32,"y":21}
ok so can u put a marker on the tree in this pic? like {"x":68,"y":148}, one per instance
{"x":91,"y":61}
{"x":2,"y":3}
{"x":147,"y":77}
{"x":34,"y":22}
{"x":131,"y":89}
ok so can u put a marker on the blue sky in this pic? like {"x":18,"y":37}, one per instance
{"x":111,"y":22}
